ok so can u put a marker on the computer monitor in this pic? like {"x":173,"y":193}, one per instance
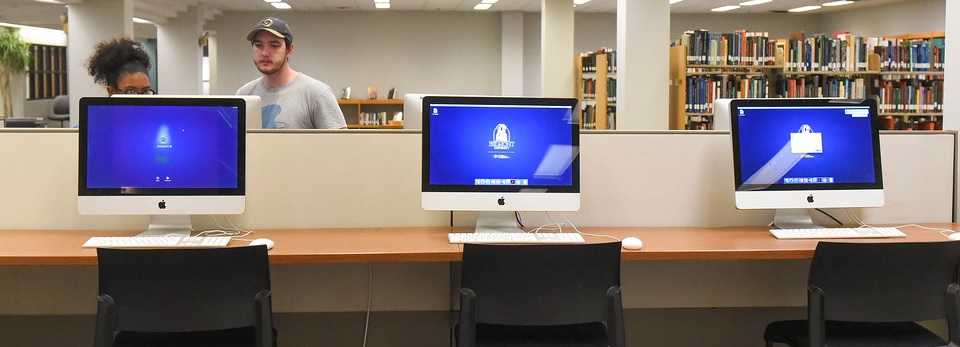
{"x":795,"y":155}
{"x":167,"y":157}
{"x":499,"y":155}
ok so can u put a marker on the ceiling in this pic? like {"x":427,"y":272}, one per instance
{"x":34,"y":13}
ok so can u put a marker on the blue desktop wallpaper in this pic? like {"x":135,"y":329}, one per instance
{"x":467,"y":143}
{"x":847,"y":155}
{"x":162,"y":146}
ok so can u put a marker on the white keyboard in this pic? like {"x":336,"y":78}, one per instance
{"x":837,"y":233}
{"x":515,"y":238}
{"x":157,"y":242}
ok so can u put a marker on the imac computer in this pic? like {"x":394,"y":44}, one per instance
{"x":796,"y":155}
{"x":167,"y":157}
{"x":500,"y":155}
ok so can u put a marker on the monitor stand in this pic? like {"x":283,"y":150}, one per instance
{"x":794,"y":218}
{"x":497,"y":222}
{"x":169,"y":225}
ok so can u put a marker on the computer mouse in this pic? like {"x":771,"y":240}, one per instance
{"x":262,"y":241}
{"x":954,"y":235}
{"x":631,"y":243}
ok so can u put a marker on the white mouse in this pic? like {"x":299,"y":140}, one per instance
{"x":954,"y":236}
{"x":262,"y":241}
{"x":631,"y":243}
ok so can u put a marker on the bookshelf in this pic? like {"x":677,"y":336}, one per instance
{"x":371,"y":113}
{"x":904,"y":72}
{"x":597,"y":89}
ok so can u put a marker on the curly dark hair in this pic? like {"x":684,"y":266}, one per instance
{"x":117,"y":57}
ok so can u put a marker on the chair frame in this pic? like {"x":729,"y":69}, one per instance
{"x":180,"y":307}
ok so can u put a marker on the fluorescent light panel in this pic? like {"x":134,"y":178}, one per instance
{"x":838,"y":3}
{"x":580,"y":2}
{"x":803,"y":9}
{"x":52,"y":2}
{"x":281,"y":5}
{"x":481,"y":7}
{"x":142,"y":21}
{"x":674,"y":1}
{"x":725,"y":8}
{"x":382,"y":5}
{"x":754,"y":2}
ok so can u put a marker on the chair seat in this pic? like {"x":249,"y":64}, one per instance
{"x":854,"y":334}
{"x":591,"y":334}
{"x":59,"y":117}
{"x":214,"y":338}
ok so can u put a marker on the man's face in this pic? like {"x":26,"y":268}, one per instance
{"x":270,"y":53}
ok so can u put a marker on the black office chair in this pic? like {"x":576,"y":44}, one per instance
{"x":61,"y":109}
{"x":871,"y":294}
{"x":184,"y":297}
{"x":540,"y":295}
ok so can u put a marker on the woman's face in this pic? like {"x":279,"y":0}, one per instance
{"x":132,"y":83}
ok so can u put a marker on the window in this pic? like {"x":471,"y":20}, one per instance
{"x":47,"y":77}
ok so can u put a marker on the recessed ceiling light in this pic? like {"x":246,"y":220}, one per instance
{"x":281,"y":5}
{"x":803,"y":9}
{"x":382,"y":5}
{"x":580,"y":2}
{"x":674,"y":1}
{"x":481,"y":7}
{"x":838,"y":3}
{"x":754,"y":2}
{"x":142,"y":21}
{"x":725,"y":8}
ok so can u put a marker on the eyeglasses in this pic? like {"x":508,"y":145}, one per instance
{"x":148,"y":91}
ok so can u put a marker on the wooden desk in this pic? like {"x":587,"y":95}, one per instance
{"x":429,"y":244}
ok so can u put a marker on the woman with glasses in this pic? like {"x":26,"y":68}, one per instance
{"x":121,"y":65}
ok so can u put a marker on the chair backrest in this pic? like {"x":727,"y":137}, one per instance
{"x":883,"y":282}
{"x":61,"y":104}
{"x":541,"y":284}
{"x":178,"y":290}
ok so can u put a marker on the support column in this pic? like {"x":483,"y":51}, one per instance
{"x":511,"y":54}
{"x":643,"y":55}
{"x":951,"y":81}
{"x":179,"y":55}
{"x":556,"y":49}
{"x":91,"y":22}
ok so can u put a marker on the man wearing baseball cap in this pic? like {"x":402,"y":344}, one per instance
{"x":290,"y":99}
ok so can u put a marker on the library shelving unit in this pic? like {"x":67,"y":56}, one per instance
{"x":597,"y":89}
{"x":707,"y":66}
{"x":371,"y":113}
{"x":904,"y":72}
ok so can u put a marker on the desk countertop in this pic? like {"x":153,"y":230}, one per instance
{"x":429,"y":244}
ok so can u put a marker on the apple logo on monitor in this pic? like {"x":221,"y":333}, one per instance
{"x":162,"y":204}
{"x":501,"y":201}
{"x":810,"y":198}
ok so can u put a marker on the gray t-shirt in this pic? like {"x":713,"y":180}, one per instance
{"x":304,"y":103}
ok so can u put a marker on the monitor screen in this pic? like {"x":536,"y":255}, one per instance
{"x":806,"y":153}
{"x":500,"y":154}
{"x":162,"y":155}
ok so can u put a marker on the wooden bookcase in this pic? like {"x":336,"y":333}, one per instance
{"x":911,"y":96}
{"x":596,"y":89}
{"x":371,"y":113}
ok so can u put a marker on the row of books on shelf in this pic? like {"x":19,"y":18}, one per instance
{"x":841,"y":52}
{"x":588,"y":60}
{"x":822,"y":87}
{"x":911,"y":55}
{"x":740,"y":47}
{"x":703,"y":90}
{"x":589,"y":88}
{"x":911,"y":96}
{"x":589,"y":117}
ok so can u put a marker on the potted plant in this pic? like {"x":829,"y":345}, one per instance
{"x":14,"y":59}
